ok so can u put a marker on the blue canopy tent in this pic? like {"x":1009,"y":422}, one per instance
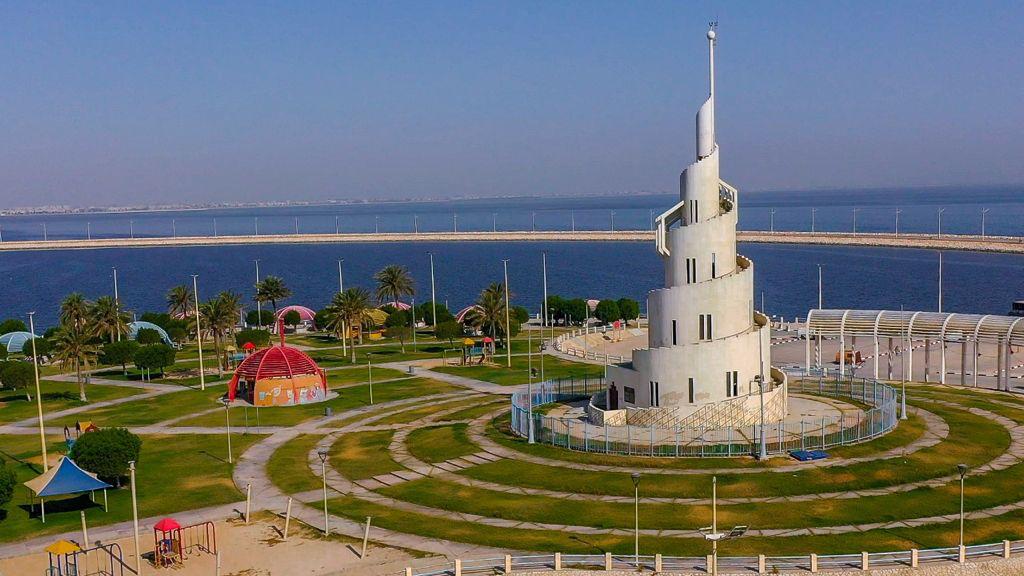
{"x":15,"y":341}
{"x":64,"y":479}
{"x":134,"y":327}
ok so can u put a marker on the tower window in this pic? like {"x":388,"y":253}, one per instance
{"x":674,"y":340}
{"x":705,"y":327}
{"x":691,"y":390}
{"x":629,"y":394}
{"x":732,"y":384}
{"x":713,"y":265}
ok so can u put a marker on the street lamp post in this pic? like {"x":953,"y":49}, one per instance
{"x":259,"y":305}
{"x":199,"y":332}
{"x":455,"y":222}
{"x":613,"y":220}
{"x":214,"y":227}
{"x":337,"y":225}
{"x":508,"y":336}
{"x":813,"y":212}
{"x":39,"y":396}
{"x":494,"y":222}
{"x":415,"y":224}
{"x":938,"y":227}
{"x":855,"y":210}
{"x":322,"y":453}
{"x":369,"y":372}
{"x":897,"y":229}
{"x":940,"y":282}
{"x":635,"y":476}
{"x":227,"y":422}
{"x":771,"y":221}
{"x":135,"y":519}
{"x":131,"y":229}
{"x":117,"y":304}
{"x":903,"y":367}
{"x":712,"y":534}
{"x":984,"y":211}
{"x":572,"y":219}
{"x":174,"y":227}
{"x":544,"y":261}
{"x":962,"y":470}
{"x":433,"y":295}
{"x":763,"y":451}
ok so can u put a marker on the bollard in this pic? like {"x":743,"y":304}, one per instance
{"x":657,"y":562}
{"x":607,"y":560}
{"x":762,"y":564}
{"x":248,"y":501}
{"x":218,"y":563}
{"x":287,"y":518}
{"x":1006,"y":548}
{"x":914,"y":558}
{"x":865,"y":563}
{"x":408,"y":571}
{"x":814,"y":563}
{"x":709,"y":560}
{"x":458,"y":567}
{"x":558,"y":561}
{"x":85,"y":532}
{"x":508,"y":563}
{"x":962,"y":553}
{"x":366,"y":536}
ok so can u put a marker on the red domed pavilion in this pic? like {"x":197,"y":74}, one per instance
{"x":278,"y":376}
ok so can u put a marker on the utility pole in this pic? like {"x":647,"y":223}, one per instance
{"x":199,"y":332}
{"x":39,"y":396}
{"x":259,"y":306}
{"x":508,"y":337}
{"x":433,"y":296}
{"x":117,"y":304}
{"x":544,"y":257}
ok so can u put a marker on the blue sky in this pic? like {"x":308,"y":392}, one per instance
{"x":144,"y":102}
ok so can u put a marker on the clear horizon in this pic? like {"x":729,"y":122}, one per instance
{"x":194,"y":104}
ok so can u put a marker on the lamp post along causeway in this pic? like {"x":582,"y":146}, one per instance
{"x":635,"y":476}
{"x":322,"y":453}
{"x":135,"y":519}
{"x":39,"y":396}
{"x":199,"y":332}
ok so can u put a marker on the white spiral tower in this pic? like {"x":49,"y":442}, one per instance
{"x":708,"y":348}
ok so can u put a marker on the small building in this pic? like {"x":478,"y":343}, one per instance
{"x":278,"y":376}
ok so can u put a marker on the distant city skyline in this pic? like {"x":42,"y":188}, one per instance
{"x":196,"y":104}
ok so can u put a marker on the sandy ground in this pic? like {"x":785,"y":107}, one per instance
{"x":256,"y":549}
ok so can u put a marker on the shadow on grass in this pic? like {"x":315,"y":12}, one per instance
{"x":73,"y":504}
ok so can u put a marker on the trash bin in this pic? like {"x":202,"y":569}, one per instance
{"x":411,"y":369}
{"x":328,"y":411}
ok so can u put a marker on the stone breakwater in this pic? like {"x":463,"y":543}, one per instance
{"x":1005,"y":244}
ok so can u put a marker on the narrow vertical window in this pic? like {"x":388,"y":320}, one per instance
{"x":701,"y":330}
{"x":691,"y":390}
{"x":735,"y":383}
{"x":657,"y":395}
{"x":713,"y":265}
{"x":728,"y":385}
{"x":674,"y":340}
{"x":710,"y":332}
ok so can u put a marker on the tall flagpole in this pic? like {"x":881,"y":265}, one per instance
{"x":117,"y":304}
{"x":39,"y":396}
{"x":199,"y":332}
{"x":433,"y":298}
{"x":341,"y":289}
{"x":259,"y":306}
{"x":508,"y":336}
{"x":544,"y":260}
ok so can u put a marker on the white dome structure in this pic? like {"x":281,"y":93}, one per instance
{"x":708,"y":348}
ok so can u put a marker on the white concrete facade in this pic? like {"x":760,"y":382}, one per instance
{"x":707,"y":346}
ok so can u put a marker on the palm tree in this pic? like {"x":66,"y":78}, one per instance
{"x":107,"y":318}
{"x":489,"y":315}
{"x":75,"y":346}
{"x":271,"y":289}
{"x":180,"y":301}
{"x":350,"y":308}
{"x":393,"y":282}
{"x":220,"y":315}
{"x":75,"y":310}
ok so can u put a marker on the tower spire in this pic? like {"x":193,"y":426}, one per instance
{"x":706,"y":114}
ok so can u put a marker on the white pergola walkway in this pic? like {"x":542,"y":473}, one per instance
{"x":904,"y":327}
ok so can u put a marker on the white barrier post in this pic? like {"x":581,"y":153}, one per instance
{"x":607,"y":560}
{"x":1006,"y":548}
{"x":915,"y":558}
{"x":814,"y":563}
{"x":248,"y":501}
{"x":458,"y":567}
{"x":558,"y":561}
{"x":508,"y":563}
{"x":366,"y":536}
{"x":287,"y":518}
{"x":762,"y":564}
{"x":865,"y":562}
{"x":217,"y":570}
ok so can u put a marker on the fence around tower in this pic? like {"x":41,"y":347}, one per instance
{"x":881,"y":414}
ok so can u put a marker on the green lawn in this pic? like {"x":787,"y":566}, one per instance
{"x":362,"y":455}
{"x":477,"y":411}
{"x":347,"y":399}
{"x":150,"y":410}
{"x":416,"y":413}
{"x":175,"y":473}
{"x":973,"y":440}
{"x":359,"y":374}
{"x":56,"y":396}
{"x":498,"y":372}
{"x":936,"y":535}
{"x":440,"y":443}
{"x":288,"y":466}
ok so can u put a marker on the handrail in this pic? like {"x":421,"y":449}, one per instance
{"x":760,"y":564}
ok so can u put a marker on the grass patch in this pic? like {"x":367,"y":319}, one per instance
{"x":175,"y":473}
{"x":424,"y":411}
{"x":440,"y":443}
{"x":362,"y":455}
{"x":477,"y":411}
{"x":56,"y":396}
{"x":347,"y":399}
{"x":358,"y":374}
{"x":288,"y":466}
{"x":499,"y":373}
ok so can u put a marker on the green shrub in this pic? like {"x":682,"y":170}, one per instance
{"x":119,"y":353}
{"x":107,"y":452}
{"x":258,"y":337}
{"x":148,"y":336}
{"x":260,"y":318}
{"x":154,"y":357}
{"x":17,"y":375}
{"x":7,"y":483}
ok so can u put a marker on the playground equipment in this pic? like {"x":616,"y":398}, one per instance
{"x":173,"y":543}
{"x":68,"y":559}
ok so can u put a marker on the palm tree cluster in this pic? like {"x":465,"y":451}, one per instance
{"x":488,"y":316}
{"x":84,"y":325}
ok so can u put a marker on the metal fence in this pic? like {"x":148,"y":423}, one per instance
{"x":822,"y":433}
{"x":729,"y":564}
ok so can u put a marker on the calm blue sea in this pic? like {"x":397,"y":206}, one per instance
{"x":854,"y":277}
